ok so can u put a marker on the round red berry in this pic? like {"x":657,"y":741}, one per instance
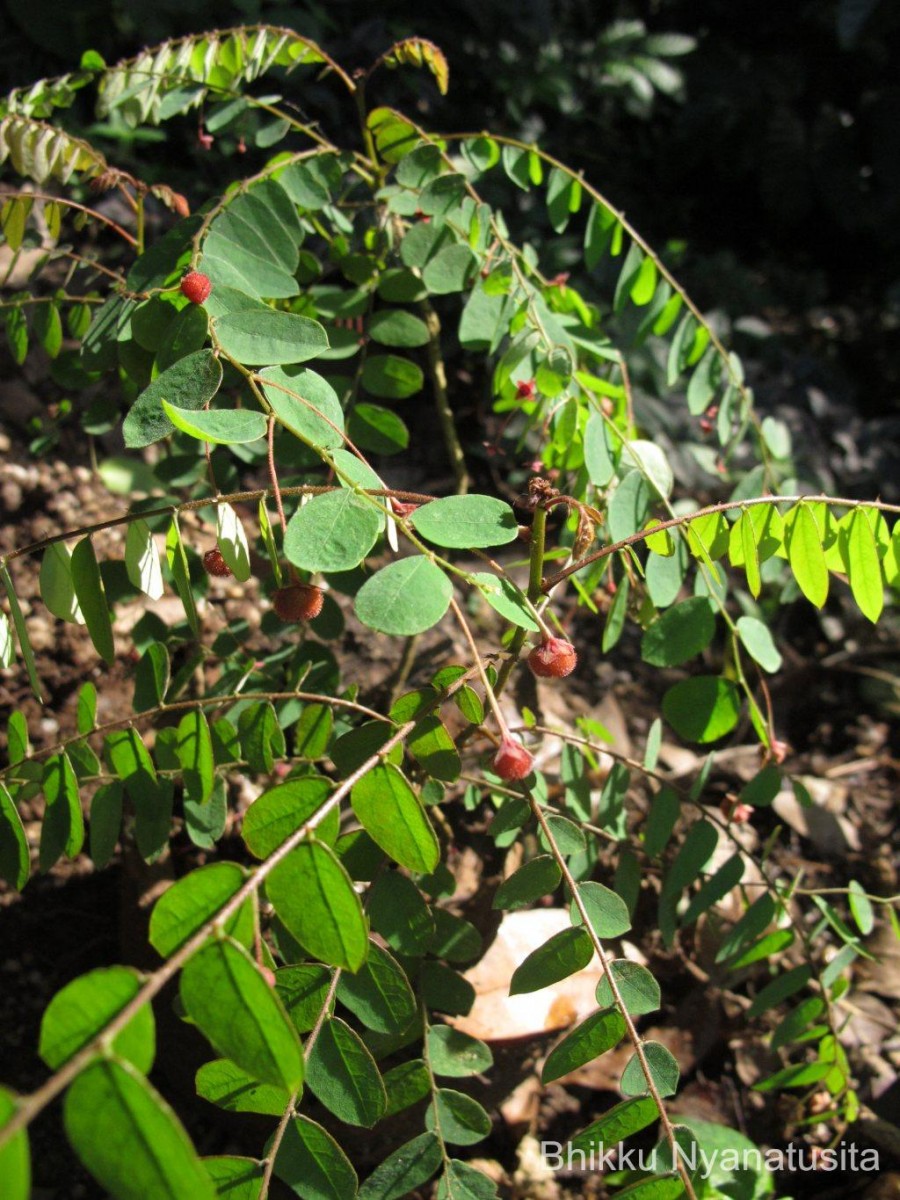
{"x":196,"y":286}
{"x":554,"y":658}
{"x":298,"y":602}
{"x":512,"y":760}
{"x":215,"y":564}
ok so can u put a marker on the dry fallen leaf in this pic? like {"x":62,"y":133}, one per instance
{"x":495,"y":1015}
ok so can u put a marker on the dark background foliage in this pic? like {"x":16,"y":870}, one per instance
{"x":766,"y":159}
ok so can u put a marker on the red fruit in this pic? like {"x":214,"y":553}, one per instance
{"x":512,"y":760}
{"x":554,"y":658}
{"x":525,"y":389}
{"x":215,"y":564}
{"x":196,"y":287}
{"x":298,"y":602}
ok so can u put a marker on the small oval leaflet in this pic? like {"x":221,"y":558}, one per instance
{"x":221,"y":426}
{"x":314,"y":897}
{"x":225,"y":995}
{"x":129,"y":1138}
{"x":306,"y":404}
{"x":502,"y":595}
{"x":392,"y":814}
{"x":405,"y":597}
{"x":333,"y":532}
{"x":461,"y":522}
{"x":82,"y":1009}
{"x":258,"y":337}
{"x":702,"y":709}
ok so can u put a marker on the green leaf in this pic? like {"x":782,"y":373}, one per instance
{"x":152,"y":797}
{"x":63,"y":829}
{"x":262,"y":740}
{"x":15,"y":1157}
{"x":342,"y":1074}
{"x":663,"y":1071}
{"x":85,"y":1007}
{"x":57,"y":588}
{"x":375,"y":428}
{"x":601,"y":450}
{"x":305,"y":991}
{"x":264,"y":338}
{"x":188,"y":384}
{"x":463,"y":1182}
{"x":508,"y":600}
{"x":531,"y":882}
{"x":762,"y":789}
{"x":456,"y":1054}
{"x":616,"y":1124}
{"x":457,"y":1118}
{"x":392,"y":814}
{"x":678,"y":634}
{"x":746,"y":532}
{"x":783,"y":986}
{"x":92,"y":599}
{"x":128,"y":1137}
{"x":607,"y":911}
{"x":195,"y":753}
{"x":142,"y":560}
{"x":861,"y":908}
{"x":727,"y":877}
{"x":390,"y":377}
{"x":106,"y":822}
{"x":806,"y":555}
{"x":332,"y":532}
{"x":462,"y":522}
{"x":192,"y":901}
{"x":151,"y":677}
{"x":235,"y":1178}
{"x":178,"y":565}
{"x":306,"y":404}
{"x":379,"y":994}
{"x":593,"y":1037}
{"x":798,"y":1023}
{"x":7,"y":646}
{"x":254,"y":244}
{"x":312,"y":733}
{"x":630,"y":506}
{"x":455,"y":938}
{"x":564,"y":954}
{"x":434,"y":749}
{"x":637,"y":987}
{"x":225,"y":995}
{"x":757,"y":918}
{"x":405,"y":597}
{"x":232,"y":542}
{"x":664,"y":812}
{"x":14,"y":854}
{"x":405,"y":1085}
{"x":758,"y":641}
{"x":404,"y":1170}
{"x":702,"y":709}
{"x":603,"y":232}
{"x":860,"y":555}
{"x":397,"y":327}
{"x":399,"y":913}
{"x":450,"y":270}
{"x":220,"y":426}
{"x":280,"y":811}
{"x":314,"y":897}
{"x":22,"y":633}
{"x":311,"y":1162}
